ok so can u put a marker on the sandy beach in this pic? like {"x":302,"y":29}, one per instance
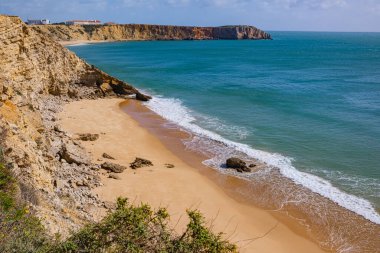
{"x":79,"y":42}
{"x":178,"y":188}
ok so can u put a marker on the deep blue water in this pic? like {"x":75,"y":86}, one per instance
{"x":312,"y":97}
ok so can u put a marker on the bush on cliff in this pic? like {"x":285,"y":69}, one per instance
{"x":20,"y":231}
{"x":141,"y":229}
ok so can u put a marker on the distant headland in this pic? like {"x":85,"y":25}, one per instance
{"x":125,"y":32}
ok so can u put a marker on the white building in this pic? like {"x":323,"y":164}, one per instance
{"x":83,"y":22}
{"x":38,"y":22}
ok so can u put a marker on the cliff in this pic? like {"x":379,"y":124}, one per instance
{"x":37,"y":76}
{"x":150,"y":32}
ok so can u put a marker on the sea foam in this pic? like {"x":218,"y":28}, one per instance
{"x":173,"y":110}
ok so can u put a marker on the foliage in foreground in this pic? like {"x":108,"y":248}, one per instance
{"x":140,"y":229}
{"x":20,"y":231}
{"x":128,"y":229}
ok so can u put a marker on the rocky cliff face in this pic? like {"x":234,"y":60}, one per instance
{"x":37,"y":76}
{"x":150,"y":32}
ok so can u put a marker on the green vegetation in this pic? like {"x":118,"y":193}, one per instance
{"x":20,"y":231}
{"x":140,"y":229}
{"x":128,"y":229}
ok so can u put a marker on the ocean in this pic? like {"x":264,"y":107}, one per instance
{"x":307,"y":104}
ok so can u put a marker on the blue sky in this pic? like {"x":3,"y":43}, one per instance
{"x":271,"y":15}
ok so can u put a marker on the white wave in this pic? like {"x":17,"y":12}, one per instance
{"x":174,"y":111}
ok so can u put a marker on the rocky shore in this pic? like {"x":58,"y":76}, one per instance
{"x":149,"y":32}
{"x":38,"y":76}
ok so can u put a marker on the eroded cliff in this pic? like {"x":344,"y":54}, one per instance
{"x":37,"y":76}
{"x":150,"y":32}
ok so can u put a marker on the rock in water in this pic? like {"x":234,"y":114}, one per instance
{"x":140,"y":162}
{"x":238,"y":164}
{"x":113,"y":167}
{"x":88,"y":137}
{"x":142,"y":97}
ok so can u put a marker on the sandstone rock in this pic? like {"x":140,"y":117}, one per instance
{"x":113,"y":167}
{"x":140,"y":162}
{"x":58,"y":129}
{"x":114,"y":176}
{"x":74,"y":154}
{"x":88,"y":137}
{"x":72,"y":93}
{"x":107,"y":156}
{"x":238,"y":164}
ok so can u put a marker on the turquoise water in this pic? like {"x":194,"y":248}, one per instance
{"x":312,"y":99}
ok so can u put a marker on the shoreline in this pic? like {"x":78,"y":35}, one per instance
{"x":84,"y":42}
{"x":174,"y":187}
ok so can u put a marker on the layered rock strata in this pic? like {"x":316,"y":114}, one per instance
{"x":37,"y":77}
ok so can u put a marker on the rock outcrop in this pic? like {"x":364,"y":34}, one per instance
{"x":37,"y":77}
{"x":140,"y":162}
{"x":149,"y":32}
{"x":113,"y":167}
{"x":237,"y":164}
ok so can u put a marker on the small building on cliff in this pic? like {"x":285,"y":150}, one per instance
{"x":38,"y":22}
{"x":83,"y":22}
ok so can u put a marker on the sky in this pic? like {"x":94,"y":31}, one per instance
{"x":269,"y":15}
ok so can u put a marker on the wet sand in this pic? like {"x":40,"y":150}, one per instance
{"x":179,"y":188}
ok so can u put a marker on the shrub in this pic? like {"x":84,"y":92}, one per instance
{"x":140,"y":229}
{"x":20,"y":231}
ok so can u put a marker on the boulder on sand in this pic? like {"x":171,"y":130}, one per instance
{"x":140,"y":162}
{"x":107,"y":156}
{"x":113,"y":167}
{"x":72,"y":153}
{"x":88,"y":137}
{"x":237,"y":164}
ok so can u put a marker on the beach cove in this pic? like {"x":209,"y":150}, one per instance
{"x":288,"y":105}
{"x":178,"y":188}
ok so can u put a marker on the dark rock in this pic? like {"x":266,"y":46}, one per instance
{"x":140,"y":162}
{"x":168,"y":165}
{"x":88,"y":137}
{"x":105,"y":155}
{"x":252,"y":165}
{"x":238,"y":164}
{"x":234,"y":163}
{"x":58,"y":129}
{"x":113,"y":167}
{"x":142,"y":97}
{"x":72,"y":93}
